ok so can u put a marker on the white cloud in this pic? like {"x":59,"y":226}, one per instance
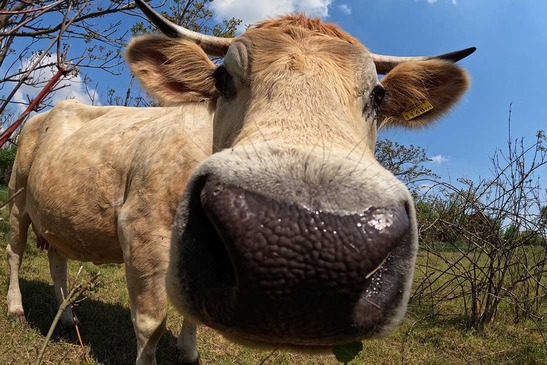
{"x":438,"y":159}
{"x":345,"y":8}
{"x":251,"y":11}
{"x":70,"y":87}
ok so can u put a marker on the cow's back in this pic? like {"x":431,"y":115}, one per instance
{"x":80,"y":163}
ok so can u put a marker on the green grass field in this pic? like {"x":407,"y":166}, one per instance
{"x":107,"y":333}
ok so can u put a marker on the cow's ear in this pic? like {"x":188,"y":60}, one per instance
{"x":419,"y":92}
{"x":172,"y":70}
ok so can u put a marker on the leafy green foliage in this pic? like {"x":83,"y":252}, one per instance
{"x":347,"y":352}
{"x":405,"y":162}
{"x":7,"y":157}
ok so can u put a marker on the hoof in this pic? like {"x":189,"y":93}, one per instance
{"x":18,"y":315}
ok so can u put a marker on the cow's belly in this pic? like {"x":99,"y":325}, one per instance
{"x":75,"y":233}
{"x":73,"y":203}
{"x":81,"y":243}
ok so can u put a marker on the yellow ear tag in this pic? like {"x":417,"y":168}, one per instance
{"x":417,"y":109}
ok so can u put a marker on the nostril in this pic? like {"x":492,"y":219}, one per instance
{"x":224,"y":208}
{"x":204,"y":258}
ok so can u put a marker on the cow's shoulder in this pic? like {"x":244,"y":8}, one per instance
{"x":164,"y":153}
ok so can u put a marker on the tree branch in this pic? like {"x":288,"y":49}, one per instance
{"x":77,"y":20}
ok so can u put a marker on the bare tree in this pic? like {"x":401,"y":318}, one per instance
{"x":484,"y":243}
{"x":35,"y":36}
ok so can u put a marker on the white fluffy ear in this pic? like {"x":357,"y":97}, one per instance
{"x":427,"y":87}
{"x":172,"y":70}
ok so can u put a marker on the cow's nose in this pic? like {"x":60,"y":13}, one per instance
{"x":301,"y":270}
{"x":276,"y":242}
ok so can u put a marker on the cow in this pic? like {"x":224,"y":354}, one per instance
{"x":251,"y":198}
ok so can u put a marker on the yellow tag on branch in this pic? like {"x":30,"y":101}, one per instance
{"x":417,"y":109}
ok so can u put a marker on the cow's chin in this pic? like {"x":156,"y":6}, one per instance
{"x":285,"y":312}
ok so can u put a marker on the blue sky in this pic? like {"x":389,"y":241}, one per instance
{"x":509,"y":65}
{"x":511,"y":38}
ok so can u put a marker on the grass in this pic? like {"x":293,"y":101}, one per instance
{"x":107,"y":332}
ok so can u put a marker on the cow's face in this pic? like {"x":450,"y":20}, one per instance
{"x":292,"y":233}
{"x":297,"y":88}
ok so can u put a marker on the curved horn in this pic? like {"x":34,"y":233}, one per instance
{"x":384,"y":64}
{"x":214,"y":46}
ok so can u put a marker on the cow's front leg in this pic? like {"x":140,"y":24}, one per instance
{"x":58,"y":268}
{"x":186,"y":344}
{"x":145,"y":251}
{"x":147,"y":297}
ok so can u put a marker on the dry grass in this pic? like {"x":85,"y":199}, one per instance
{"x":108,"y":334}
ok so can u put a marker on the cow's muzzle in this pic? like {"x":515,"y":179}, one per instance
{"x":260,"y":269}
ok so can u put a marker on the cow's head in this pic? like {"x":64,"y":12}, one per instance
{"x":291,"y":233}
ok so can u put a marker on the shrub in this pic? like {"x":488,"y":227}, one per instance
{"x":7,"y":157}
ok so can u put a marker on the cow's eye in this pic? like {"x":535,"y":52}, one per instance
{"x":224,"y":82}
{"x":377,"y":95}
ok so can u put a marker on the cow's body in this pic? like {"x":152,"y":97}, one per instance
{"x":101,"y":184}
{"x":290,"y":235}
{"x":90,"y":162}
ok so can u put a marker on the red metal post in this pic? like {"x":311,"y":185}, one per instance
{"x":46,"y":90}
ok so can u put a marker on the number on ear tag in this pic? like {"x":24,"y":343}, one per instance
{"x":417,"y":109}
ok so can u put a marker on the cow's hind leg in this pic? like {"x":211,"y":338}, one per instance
{"x":19,"y":223}
{"x":58,"y":267}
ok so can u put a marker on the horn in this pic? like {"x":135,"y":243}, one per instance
{"x":384,"y":64}
{"x":214,"y":46}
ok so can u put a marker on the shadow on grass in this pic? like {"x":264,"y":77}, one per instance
{"x":446,"y":321}
{"x":105,"y":328}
